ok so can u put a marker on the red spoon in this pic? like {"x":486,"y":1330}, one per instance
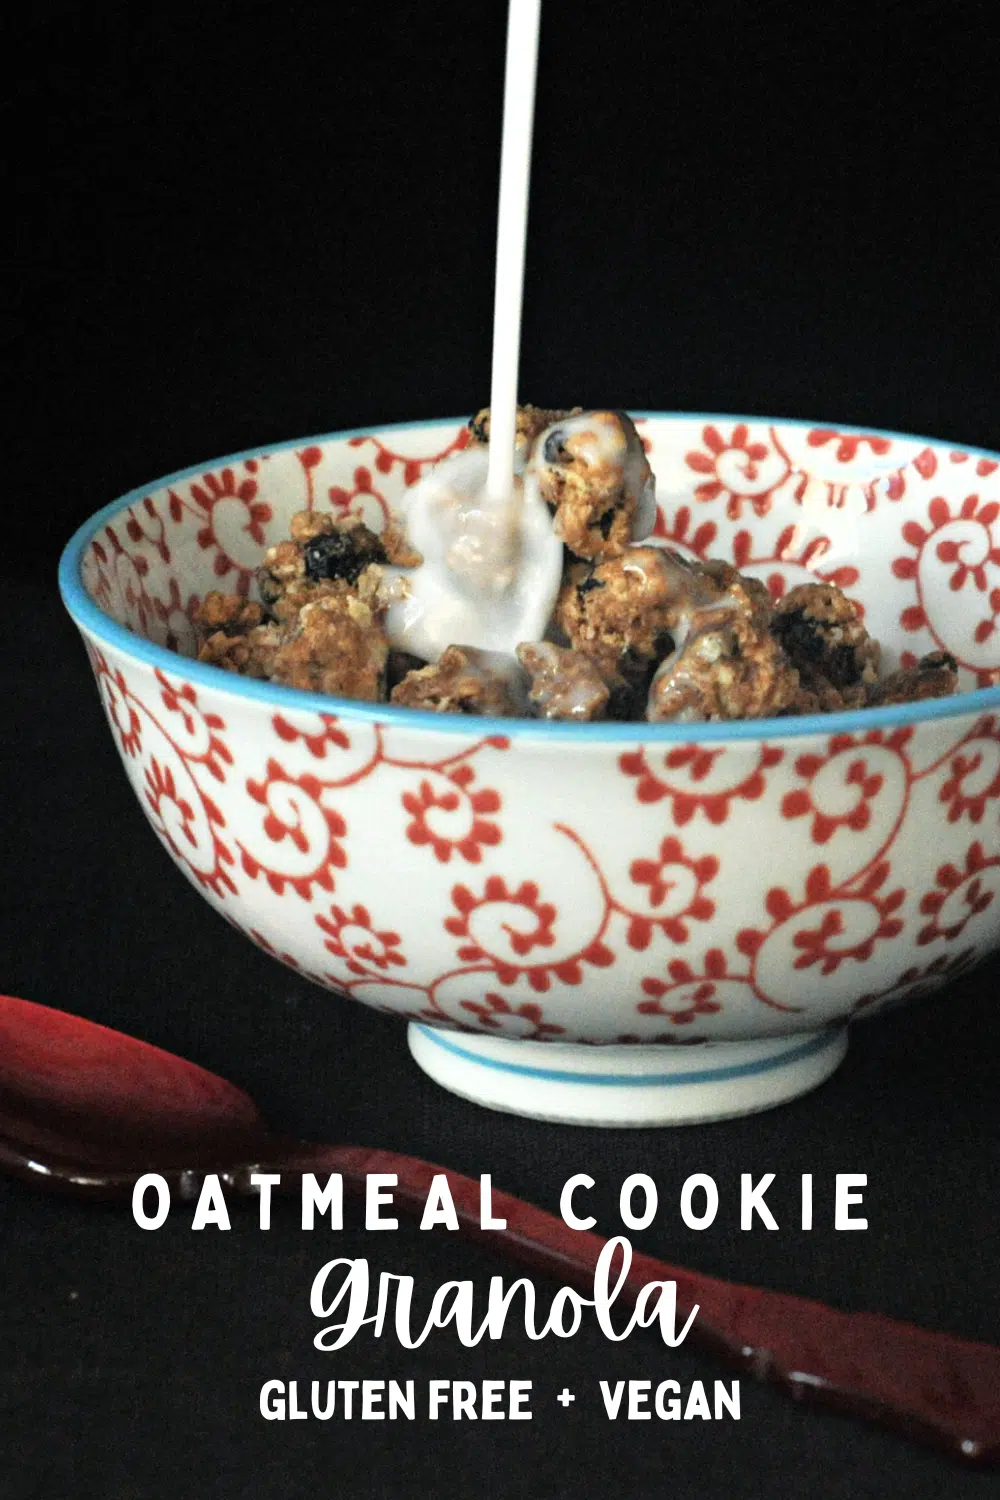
{"x":87,"y":1110}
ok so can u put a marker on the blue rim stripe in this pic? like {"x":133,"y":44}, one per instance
{"x":95,"y":622}
{"x":632,"y":1080}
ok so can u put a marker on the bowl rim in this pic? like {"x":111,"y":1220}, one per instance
{"x":93,"y":621}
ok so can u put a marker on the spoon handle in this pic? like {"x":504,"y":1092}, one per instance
{"x":929,"y":1387}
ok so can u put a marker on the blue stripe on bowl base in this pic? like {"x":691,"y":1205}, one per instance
{"x":810,"y":1048}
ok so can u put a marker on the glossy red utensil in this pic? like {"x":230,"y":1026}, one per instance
{"x":86,"y":1110}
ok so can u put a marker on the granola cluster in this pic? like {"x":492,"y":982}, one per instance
{"x":637,"y":632}
{"x":317,"y":625}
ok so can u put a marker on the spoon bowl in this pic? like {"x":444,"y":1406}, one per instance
{"x":97,"y":1094}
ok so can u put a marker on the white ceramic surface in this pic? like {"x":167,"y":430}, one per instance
{"x":610,"y":894}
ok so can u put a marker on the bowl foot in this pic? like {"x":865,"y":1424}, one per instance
{"x":638,"y":1086}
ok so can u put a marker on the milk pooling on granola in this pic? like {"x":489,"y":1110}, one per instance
{"x":491,"y":570}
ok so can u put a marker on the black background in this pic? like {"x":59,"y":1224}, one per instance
{"x":238,"y":223}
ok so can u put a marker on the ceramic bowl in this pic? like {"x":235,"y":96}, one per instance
{"x":607,"y":923}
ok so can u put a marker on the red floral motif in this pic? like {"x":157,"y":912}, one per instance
{"x":122,"y":713}
{"x":951,"y":552}
{"x":964,"y":892}
{"x":316,"y":744}
{"x":495,"y":1006}
{"x":698,"y":1002}
{"x":386,"y":459}
{"x":693,"y":994}
{"x":132,"y":588}
{"x":173,"y":812}
{"x":699,"y":761}
{"x":533,"y":929}
{"x":966,"y":761}
{"x":948,"y":550}
{"x":139,"y":529}
{"x":100,"y":591}
{"x":915,"y":981}
{"x":182,"y":699}
{"x":161,"y":790}
{"x":792,"y":551}
{"x":848,"y":443}
{"x":971,"y":562}
{"x":456,"y":796}
{"x":664,"y":877}
{"x":404,"y":989}
{"x":310,"y":458}
{"x":816,"y":943}
{"x":261,"y":942}
{"x":170,"y":608}
{"x":346,"y":501}
{"x":291,"y":802}
{"x":865,"y":487}
{"x":174,"y":816}
{"x":733,"y":465}
{"x":866,"y":783}
{"x":987,"y":627}
{"x":351,"y":936}
{"x":495,"y":890}
{"x":138,"y":562}
{"x":633,"y":1039}
{"x":893,"y":485}
{"x":697,"y":542}
{"x":426,"y":1013}
{"x":207,"y":495}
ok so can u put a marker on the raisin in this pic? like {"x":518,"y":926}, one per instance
{"x":799,"y":636}
{"x":342,"y":554}
{"x":399,"y":663}
{"x":553,"y":450}
{"x":938,"y":661}
{"x":806,"y":643}
{"x":841,"y":666}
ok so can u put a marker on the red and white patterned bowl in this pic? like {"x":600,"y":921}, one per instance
{"x":558,"y":909}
